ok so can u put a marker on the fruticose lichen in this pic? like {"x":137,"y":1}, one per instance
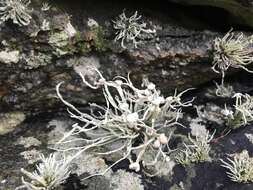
{"x":16,"y":10}
{"x":233,"y":50}
{"x":45,"y":6}
{"x":243,"y":111}
{"x":133,"y":121}
{"x":50,"y":173}
{"x":129,"y":29}
{"x":197,"y":151}
{"x":240,"y":167}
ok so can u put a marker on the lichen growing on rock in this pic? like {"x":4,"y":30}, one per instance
{"x":123,"y":180}
{"x":129,"y":29}
{"x":16,"y":10}
{"x":49,"y":174}
{"x":59,"y":41}
{"x":242,"y":113}
{"x":132,"y":116}
{"x":37,"y":59}
{"x":9,"y":121}
{"x":233,"y":50}
{"x":240,"y":167}
{"x":9,"y":57}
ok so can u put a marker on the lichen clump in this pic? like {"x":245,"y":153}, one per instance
{"x":16,"y":10}
{"x":132,"y":122}
{"x":197,"y":151}
{"x":50,"y":173}
{"x":233,"y":50}
{"x":240,"y":167}
{"x":243,"y":111}
{"x":129,"y":29}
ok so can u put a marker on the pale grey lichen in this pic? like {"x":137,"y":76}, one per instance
{"x":9,"y":121}
{"x":36,"y":59}
{"x":210,"y":112}
{"x":45,"y":6}
{"x":249,"y":137}
{"x":85,"y":65}
{"x":198,"y":149}
{"x":9,"y":57}
{"x":240,"y":167}
{"x":233,"y":50}
{"x":92,"y":23}
{"x":50,"y":173}
{"x":45,"y":26}
{"x":70,"y":30}
{"x":129,"y":29}
{"x":28,"y":141}
{"x":225,"y":91}
{"x":133,"y":119}
{"x":243,"y":111}
{"x":59,"y":41}
{"x":31,"y":156}
{"x":16,"y":10}
{"x":123,"y":180}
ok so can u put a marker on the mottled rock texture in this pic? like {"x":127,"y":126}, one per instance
{"x":59,"y":43}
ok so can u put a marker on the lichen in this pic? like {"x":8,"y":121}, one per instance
{"x":129,"y":29}
{"x":9,"y":57}
{"x":16,"y":10}
{"x":242,"y":114}
{"x":37,"y":59}
{"x":9,"y":121}
{"x":133,"y":121}
{"x":240,"y":167}
{"x":123,"y":180}
{"x":99,"y":41}
{"x":59,"y":41}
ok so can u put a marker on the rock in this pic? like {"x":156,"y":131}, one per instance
{"x":241,"y":11}
{"x":56,"y":46}
{"x":9,"y":121}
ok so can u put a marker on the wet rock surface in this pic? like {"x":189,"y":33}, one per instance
{"x":58,"y":44}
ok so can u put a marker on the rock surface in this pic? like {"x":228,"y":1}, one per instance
{"x":70,"y":38}
{"x":241,"y":10}
{"x":176,"y":58}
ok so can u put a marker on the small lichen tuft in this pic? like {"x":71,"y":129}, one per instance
{"x":50,"y":173}
{"x":130,"y":28}
{"x":232,"y":51}
{"x":240,"y":167}
{"x":16,"y":10}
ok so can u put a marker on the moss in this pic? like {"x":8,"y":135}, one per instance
{"x":99,"y":41}
{"x":80,"y":45}
{"x":63,"y":45}
{"x":236,"y":122}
